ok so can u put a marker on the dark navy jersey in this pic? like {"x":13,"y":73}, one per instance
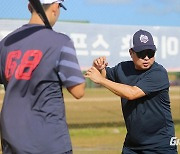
{"x":148,"y":119}
{"x":35,"y":63}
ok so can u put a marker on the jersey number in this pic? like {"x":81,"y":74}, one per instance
{"x":23,"y":71}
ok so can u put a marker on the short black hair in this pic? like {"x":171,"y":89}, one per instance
{"x":45,"y":7}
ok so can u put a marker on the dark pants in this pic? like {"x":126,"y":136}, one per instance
{"x":127,"y":150}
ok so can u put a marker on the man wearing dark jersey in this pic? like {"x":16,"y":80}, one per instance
{"x":143,"y":86}
{"x":35,"y":63}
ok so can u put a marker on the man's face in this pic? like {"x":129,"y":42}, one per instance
{"x":142,"y":60}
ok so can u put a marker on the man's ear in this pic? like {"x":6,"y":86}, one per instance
{"x":130,"y":52}
{"x":55,"y":7}
{"x":30,"y":8}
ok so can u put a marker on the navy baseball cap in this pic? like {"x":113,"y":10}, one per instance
{"x":142,"y":40}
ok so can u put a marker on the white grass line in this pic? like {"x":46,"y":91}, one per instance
{"x":90,"y":99}
{"x":106,"y":99}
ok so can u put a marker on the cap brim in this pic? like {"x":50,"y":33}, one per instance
{"x":145,"y":47}
{"x":61,"y":5}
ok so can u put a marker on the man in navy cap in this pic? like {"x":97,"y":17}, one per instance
{"x":143,"y":86}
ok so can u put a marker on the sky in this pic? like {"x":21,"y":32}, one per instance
{"x":127,"y":12}
{"x":116,"y":12}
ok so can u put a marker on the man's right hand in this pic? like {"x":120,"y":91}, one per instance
{"x":100,"y":63}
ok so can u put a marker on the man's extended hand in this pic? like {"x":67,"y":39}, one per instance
{"x":94,"y":75}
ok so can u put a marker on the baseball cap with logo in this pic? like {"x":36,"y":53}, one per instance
{"x":142,"y":40}
{"x":54,"y":1}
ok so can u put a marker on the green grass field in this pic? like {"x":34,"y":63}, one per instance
{"x":96,"y":123}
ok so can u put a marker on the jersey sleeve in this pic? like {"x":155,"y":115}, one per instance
{"x":68,"y":66}
{"x":154,"y":81}
{"x":111,"y":73}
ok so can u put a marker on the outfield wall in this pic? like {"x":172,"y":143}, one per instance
{"x":94,"y":40}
